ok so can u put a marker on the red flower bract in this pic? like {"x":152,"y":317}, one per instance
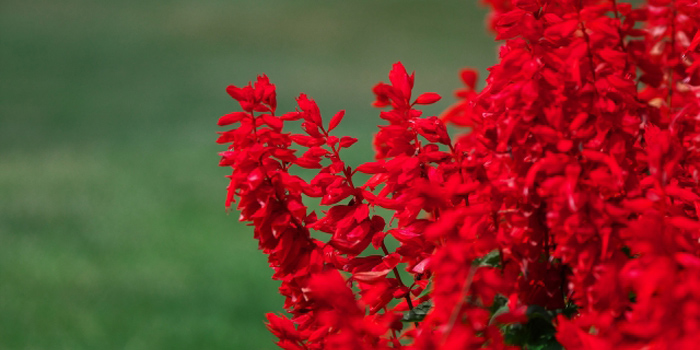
{"x":567,"y":215}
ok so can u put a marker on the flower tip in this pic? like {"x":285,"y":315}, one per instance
{"x":428,"y":98}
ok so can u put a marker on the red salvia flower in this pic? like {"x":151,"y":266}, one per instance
{"x":568,"y":212}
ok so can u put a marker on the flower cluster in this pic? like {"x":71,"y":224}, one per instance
{"x":568,"y":214}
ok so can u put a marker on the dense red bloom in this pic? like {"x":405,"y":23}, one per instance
{"x":569,"y":212}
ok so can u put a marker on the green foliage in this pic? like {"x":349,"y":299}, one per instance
{"x":418,"y":313}
{"x":492,"y":259}
{"x":539,"y":332}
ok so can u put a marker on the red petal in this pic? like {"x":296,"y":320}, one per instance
{"x":337,"y":118}
{"x":428,"y":98}
{"x":400,"y":80}
{"x":232,"y":118}
{"x":684,"y":223}
{"x":370,"y":276}
{"x":469,"y":77}
{"x":235,"y":92}
{"x":347,"y":141}
{"x":291,"y":116}
{"x":371,"y":168}
{"x":273,"y":122}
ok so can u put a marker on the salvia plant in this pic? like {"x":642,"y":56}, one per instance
{"x":566,"y":214}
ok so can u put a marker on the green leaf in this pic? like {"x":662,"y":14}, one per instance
{"x":418,"y":313}
{"x":538,"y":333}
{"x":536,"y":311}
{"x":492,"y":259}
{"x":499,"y":311}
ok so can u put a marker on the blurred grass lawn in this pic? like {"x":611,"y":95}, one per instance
{"x":113,"y":233}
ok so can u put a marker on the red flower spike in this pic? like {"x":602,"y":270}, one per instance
{"x":577,"y":188}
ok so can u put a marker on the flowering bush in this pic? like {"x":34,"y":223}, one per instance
{"x":568,"y":215}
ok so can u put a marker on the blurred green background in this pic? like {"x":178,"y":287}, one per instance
{"x":113,"y":233}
